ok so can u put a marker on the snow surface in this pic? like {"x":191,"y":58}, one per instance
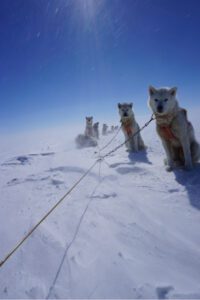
{"x":132,"y":232}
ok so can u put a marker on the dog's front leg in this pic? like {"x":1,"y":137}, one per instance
{"x":167,"y":147}
{"x":135,"y":143}
{"x":187,"y":152}
{"x":128,"y":143}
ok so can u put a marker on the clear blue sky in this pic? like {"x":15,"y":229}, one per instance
{"x":63,"y":59}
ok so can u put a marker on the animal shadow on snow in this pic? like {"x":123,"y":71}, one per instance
{"x":191,"y":182}
{"x":137,"y":157}
{"x":134,"y":158}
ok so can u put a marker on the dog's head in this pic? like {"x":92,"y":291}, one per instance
{"x":163,"y":100}
{"x":125,"y":110}
{"x":89,"y":120}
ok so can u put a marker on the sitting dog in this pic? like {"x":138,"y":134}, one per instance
{"x":130,"y":127}
{"x":104,"y":129}
{"x":112,"y":129}
{"x":86,"y":139}
{"x":96,"y":130}
{"x":83,"y":141}
{"x":89,"y":126}
{"x":174,"y":129}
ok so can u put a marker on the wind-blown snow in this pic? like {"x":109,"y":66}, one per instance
{"x":133,"y":232}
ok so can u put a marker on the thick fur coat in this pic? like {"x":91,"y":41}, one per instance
{"x":174,"y":129}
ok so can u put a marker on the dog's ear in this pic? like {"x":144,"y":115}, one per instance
{"x":173,"y":91}
{"x":131,"y":105}
{"x":119,"y":105}
{"x":152,"y":90}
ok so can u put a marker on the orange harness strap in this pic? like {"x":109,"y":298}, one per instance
{"x":166,"y":130}
{"x":129,"y":130}
{"x":167,"y":133}
{"x":127,"y":125}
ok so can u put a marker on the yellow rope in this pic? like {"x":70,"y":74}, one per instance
{"x":67,"y":193}
{"x":46,"y":215}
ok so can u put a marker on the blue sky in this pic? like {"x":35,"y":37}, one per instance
{"x":63,"y":59}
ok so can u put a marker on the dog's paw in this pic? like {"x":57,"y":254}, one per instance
{"x":169,"y":168}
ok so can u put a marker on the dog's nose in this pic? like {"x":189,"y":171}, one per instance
{"x":160,"y":108}
{"x":125,"y":114}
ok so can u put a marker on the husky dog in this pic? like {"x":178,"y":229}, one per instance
{"x":104,"y":129}
{"x":83,"y":141}
{"x":112,"y":128}
{"x":129,"y":127}
{"x":86,"y":139}
{"x":89,"y":126}
{"x":96,"y":130}
{"x":176,"y":132}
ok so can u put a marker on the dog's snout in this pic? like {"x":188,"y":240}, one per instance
{"x":160,"y":108}
{"x":125,"y":114}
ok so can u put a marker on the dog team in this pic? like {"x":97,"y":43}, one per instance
{"x":172,"y":125}
{"x":92,"y":130}
{"x":92,"y":133}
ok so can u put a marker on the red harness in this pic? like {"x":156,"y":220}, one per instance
{"x":166,"y":130}
{"x":167,"y":133}
{"x":128,"y":128}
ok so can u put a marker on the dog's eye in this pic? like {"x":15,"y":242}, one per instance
{"x":166,"y":100}
{"x":156,"y":100}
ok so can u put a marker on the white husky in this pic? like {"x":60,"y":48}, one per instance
{"x":104,"y":129}
{"x":89,"y":126}
{"x":130,"y":127}
{"x":86,"y":139}
{"x":96,"y":130}
{"x":174,"y":129}
{"x":83,"y":141}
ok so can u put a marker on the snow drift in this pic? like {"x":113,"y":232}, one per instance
{"x":130,"y":229}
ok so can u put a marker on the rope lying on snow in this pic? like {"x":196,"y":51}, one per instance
{"x":69,"y":244}
{"x":118,"y":130}
{"x":47,"y":214}
{"x":98,"y":160}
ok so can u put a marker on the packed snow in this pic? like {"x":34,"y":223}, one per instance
{"x":129,"y":230}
